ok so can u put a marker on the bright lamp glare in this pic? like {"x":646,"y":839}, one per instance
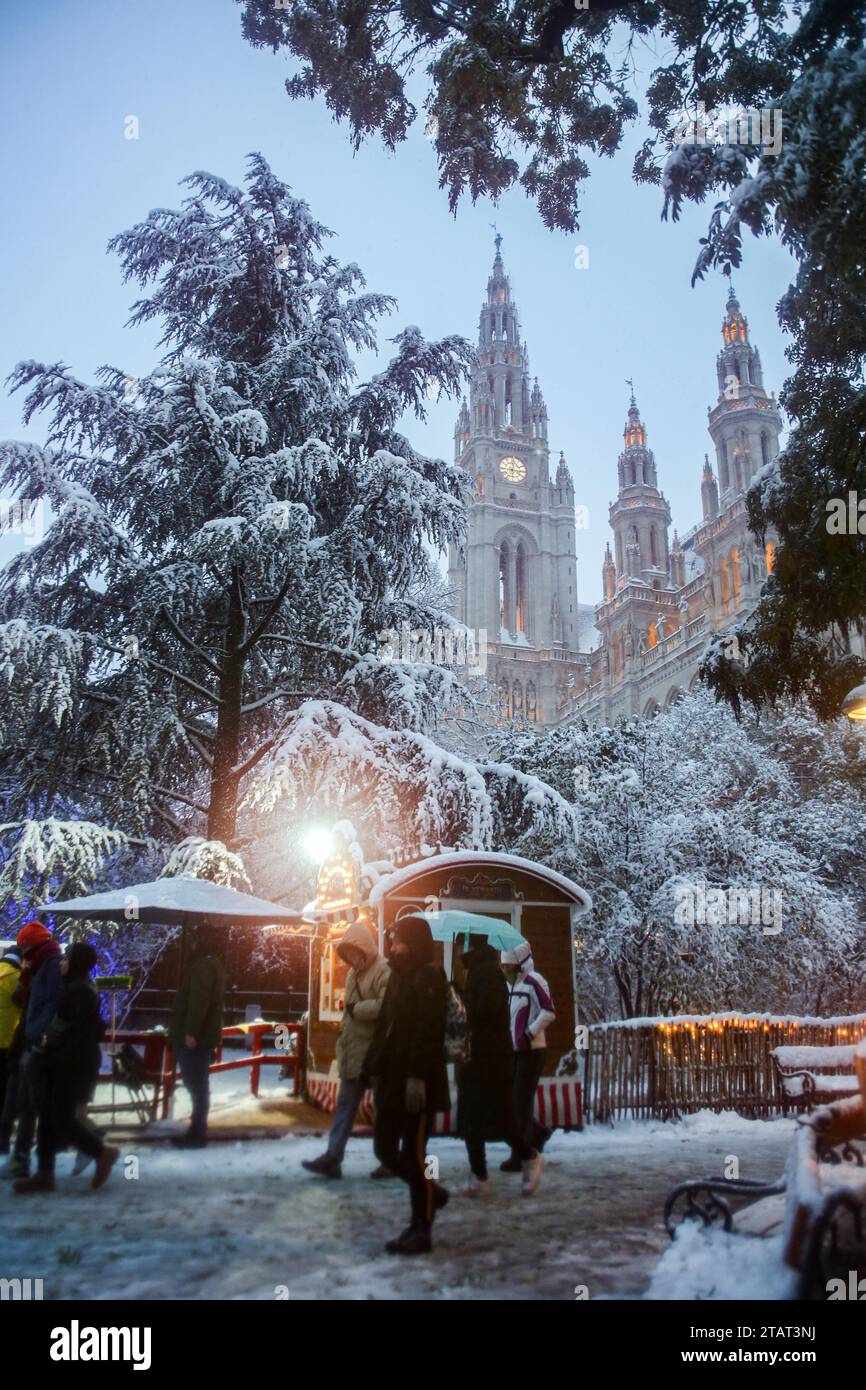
{"x":854,"y":705}
{"x":318,"y":843}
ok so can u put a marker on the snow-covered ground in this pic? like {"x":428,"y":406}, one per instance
{"x":244,"y":1221}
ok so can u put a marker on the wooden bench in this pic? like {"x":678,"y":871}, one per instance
{"x":809,"y":1076}
{"x":818,"y":1205}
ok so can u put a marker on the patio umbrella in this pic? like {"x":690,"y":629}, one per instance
{"x":181,"y":902}
{"x":178,"y":902}
{"x":448,"y":925}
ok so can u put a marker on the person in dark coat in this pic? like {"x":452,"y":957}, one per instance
{"x":38,"y":995}
{"x":65,"y":1069}
{"x":485,"y":1111}
{"x":197,"y":1028}
{"x":406,"y":1062}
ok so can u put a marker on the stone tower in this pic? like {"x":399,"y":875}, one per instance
{"x":640,"y":516}
{"x":744,"y":423}
{"x":516,"y":576}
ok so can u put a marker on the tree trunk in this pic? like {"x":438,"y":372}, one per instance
{"x":223,"y":807}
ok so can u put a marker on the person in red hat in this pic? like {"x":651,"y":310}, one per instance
{"x":39,"y":995}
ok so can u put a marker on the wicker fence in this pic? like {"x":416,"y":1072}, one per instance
{"x":662,"y":1068}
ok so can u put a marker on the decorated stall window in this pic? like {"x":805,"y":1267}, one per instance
{"x":332,"y":983}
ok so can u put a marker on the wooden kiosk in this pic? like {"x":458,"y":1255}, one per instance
{"x":540,"y":903}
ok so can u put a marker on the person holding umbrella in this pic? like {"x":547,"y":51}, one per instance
{"x":406,"y":1062}
{"x":484,"y":1080}
{"x":197,"y":1028}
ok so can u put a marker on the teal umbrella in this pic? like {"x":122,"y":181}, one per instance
{"x":448,"y":925}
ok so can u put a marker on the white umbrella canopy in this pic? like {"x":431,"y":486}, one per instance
{"x":180,"y":901}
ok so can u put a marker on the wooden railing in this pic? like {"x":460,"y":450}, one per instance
{"x":662,"y":1068}
{"x":159,"y":1063}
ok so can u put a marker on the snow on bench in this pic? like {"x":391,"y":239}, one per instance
{"x":824,"y":1180}
{"x":810,"y":1075}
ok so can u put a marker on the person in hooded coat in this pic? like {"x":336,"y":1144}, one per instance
{"x":484,"y":1081}
{"x":197,"y":1027}
{"x":65,"y":1069}
{"x":406,"y":1062}
{"x":366,"y":983}
{"x":38,"y":994}
{"x":10,"y":1015}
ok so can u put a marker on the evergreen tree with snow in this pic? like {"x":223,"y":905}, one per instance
{"x":229,"y":537}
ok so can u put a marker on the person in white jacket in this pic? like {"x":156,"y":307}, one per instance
{"x":531,"y":1013}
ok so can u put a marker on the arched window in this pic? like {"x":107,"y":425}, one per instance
{"x":724,"y":470}
{"x":770,"y":556}
{"x":520,"y":586}
{"x":724,"y":583}
{"x":504,"y":703}
{"x":517,"y":700}
{"x":531,"y":702}
{"x":653,"y":553}
{"x":504,"y":595}
{"x":617,"y":656}
{"x":735,"y":574}
{"x":765,"y":448}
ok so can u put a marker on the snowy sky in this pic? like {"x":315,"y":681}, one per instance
{"x":74,"y":70}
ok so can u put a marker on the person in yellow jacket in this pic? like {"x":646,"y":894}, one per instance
{"x":365,"y":989}
{"x":10,"y":1016}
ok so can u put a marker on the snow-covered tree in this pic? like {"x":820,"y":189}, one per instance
{"x":400,"y":786}
{"x":695,"y":809}
{"x":230,"y":533}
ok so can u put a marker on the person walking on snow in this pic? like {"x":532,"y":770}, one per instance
{"x":484,"y":1081}
{"x":64,"y":1073}
{"x":531,"y":1013}
{"x":10,"y":1015}
{"x":197,"y":1030}
{"x":406,"y":1062}
{"x":366,"y":983}
{"x":38,"y":994}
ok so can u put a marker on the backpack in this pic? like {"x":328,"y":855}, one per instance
{"x":456,"y":1031}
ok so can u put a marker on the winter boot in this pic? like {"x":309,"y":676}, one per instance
{"x":477,"y":1187}
{"x":81,"y":1162}
{"x":189,"y":1141}
{"x":104,"y":1165}
{"x":323,"y":1167}
{"x":40,"y":1182}
{"x":532,"y":1170}
{"x":441,"y":1197}
{"x":415,"y":1240}
{"x":381,"y":1173}
{"x":511,"y":1165}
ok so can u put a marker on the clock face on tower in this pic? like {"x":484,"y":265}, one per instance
{"x":513,"y":469}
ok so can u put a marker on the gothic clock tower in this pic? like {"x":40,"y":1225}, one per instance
{"x":516,"y":576}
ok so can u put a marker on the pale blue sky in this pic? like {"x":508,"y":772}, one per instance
{"x":73,"y":70}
